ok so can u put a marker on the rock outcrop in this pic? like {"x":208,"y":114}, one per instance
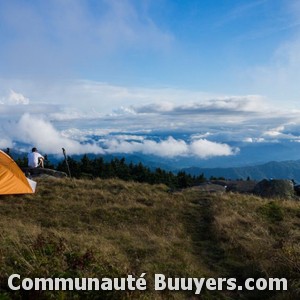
{"x":275,"y":188}
{"x":41,"y":172}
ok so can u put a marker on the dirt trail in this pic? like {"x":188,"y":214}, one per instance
{"x":199,"y":221}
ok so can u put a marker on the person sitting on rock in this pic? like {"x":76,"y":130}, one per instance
{"x":35,"y":159}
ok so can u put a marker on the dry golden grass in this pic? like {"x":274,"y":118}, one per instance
{"x":96,"y":228}
{"x":266,"y":232}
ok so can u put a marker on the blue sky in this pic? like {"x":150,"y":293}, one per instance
{"x":150,"y":65}
{"x":209,"y":46}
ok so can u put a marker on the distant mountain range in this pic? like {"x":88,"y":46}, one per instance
{"x":274,"y":169}
{"x":279,"y":170}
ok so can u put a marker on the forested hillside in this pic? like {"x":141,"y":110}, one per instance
{"x":118,"y":168}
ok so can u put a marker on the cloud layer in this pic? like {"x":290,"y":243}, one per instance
{"x":33,"y":130}
{"x":203,"y":128}
{"x":171,"y":147}
{"x":223,"y":105}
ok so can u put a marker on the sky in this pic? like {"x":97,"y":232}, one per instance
{"x":221,"y":71}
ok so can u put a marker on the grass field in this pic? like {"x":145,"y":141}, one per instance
{"x":111,"y":228}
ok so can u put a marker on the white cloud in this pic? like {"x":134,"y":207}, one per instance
{"x":107,"y":98}
{"x":205,"y":149}
{"x":14,"y":104}
{"x":68,"y":115}
{"x":84,"y":98}
{"x":199,"y":136}
{"x":220,"y":119}
{"x":282,"y":132}
{"x":5,"y":143}
{"x":165,"y":148}
{"x":129,"y":137}
{"x":36,"y":131}
{"x":171,"y":148}
{"x":158,"y":107}
{"x":274,"y":132}
{"x":17,"y":98}
{"x":253,"y":140}
{"x":228,"y":104}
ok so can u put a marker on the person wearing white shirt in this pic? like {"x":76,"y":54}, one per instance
{"x":35,"y":159}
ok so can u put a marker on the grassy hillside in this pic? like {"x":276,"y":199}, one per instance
{"x":111,"y":228}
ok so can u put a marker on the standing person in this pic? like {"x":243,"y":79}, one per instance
{"x":35,"y":159}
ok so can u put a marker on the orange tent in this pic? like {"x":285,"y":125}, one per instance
{"x":12,"y":179}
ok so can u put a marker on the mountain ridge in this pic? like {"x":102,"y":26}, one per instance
{"x":289,"y":169}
